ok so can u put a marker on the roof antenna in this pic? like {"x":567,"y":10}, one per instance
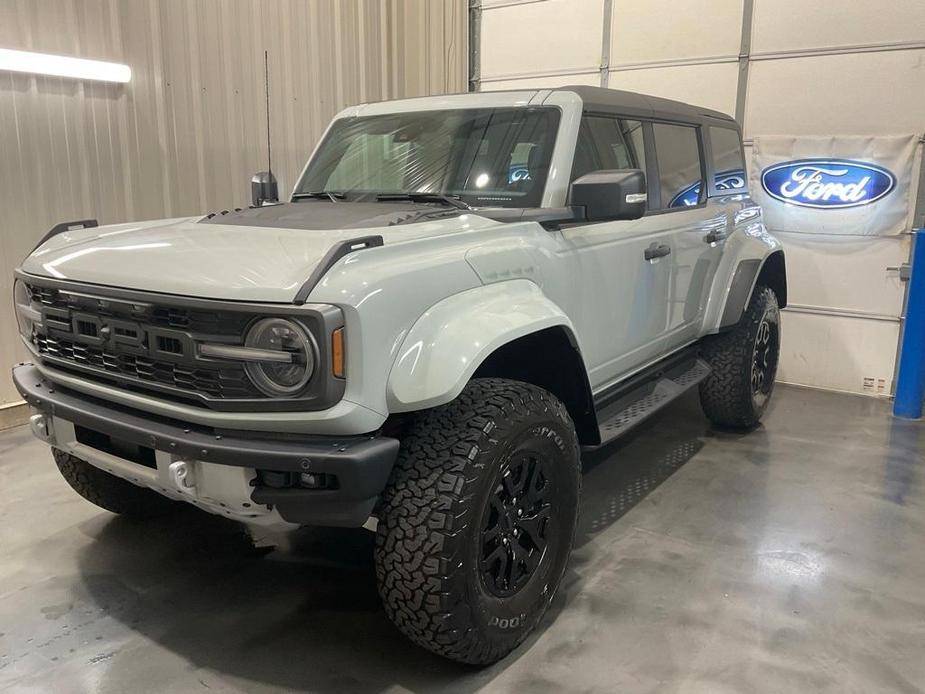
{"x":263,"y":185}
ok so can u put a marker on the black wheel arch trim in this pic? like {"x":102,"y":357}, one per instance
{"x":749,"y":273}
{"x":526,"y":359}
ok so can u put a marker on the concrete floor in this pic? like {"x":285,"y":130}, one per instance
{"x":789,"y":559}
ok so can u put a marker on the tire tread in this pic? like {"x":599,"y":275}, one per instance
{"x":428,"y":505}
{"x":725,"y":394}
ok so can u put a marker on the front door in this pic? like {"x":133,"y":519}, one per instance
{"x":621,"y":272}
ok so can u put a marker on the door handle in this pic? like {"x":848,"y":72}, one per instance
{"x":657,"y":251}
{"x":715,"y":236}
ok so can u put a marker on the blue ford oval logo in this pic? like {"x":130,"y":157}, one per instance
{"x":518,"y":172}
{"x":827,"y":183}
{"x":732,"y":180}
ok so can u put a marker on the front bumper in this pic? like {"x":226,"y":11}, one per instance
{"x":360,"y":464}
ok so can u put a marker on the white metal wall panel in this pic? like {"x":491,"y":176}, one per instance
{"x":592,"y":79}
{"x":536,"y":38}
{"x":825,"y":271}
{"x":710,"y":85}
{"x":875,"y":93}
{"x":185,"y":135}
{"x":838,"y":353}
{"x":795,"y":25}
{"x":668,"y":30}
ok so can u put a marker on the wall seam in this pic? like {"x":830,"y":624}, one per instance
{"x":715,"y":59}
{"x":475,"y":45}
{"x":748,"y":8}
{"x":606,"y":32}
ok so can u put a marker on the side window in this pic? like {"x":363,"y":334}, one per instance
{"x":605,"y":142}
{"x":632,"y":131}
{"x":679,"y":170}
{"x":728,"y":160}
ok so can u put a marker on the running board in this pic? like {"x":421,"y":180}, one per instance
{"x":648,"y":398}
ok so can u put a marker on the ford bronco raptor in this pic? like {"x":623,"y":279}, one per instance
{"x":461,"y":294}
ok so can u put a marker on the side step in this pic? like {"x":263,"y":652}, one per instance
{"x":622,"y":414}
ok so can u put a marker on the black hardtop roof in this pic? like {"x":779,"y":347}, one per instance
{"x":643,"y":105}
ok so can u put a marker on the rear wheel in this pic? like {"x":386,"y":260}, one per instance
{"x":110,"y":492}
{"x":744,"y":362}
{"x":476,"y":525}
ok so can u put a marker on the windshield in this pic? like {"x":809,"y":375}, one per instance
{"x":486,"y":157}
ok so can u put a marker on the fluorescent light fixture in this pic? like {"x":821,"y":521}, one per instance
{"x":63,"y":66}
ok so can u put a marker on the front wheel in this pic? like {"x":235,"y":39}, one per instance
{"x":478,"y":519}
{"x":744,"y":362}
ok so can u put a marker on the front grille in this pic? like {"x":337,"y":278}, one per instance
{"x":191,"y":319}
{"x":144,"y":345}
{"x":226,"y":382}
{"x":146,"y":342}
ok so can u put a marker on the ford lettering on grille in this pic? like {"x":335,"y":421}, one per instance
{"x":827,"y":183}
{"x":122,"y":335}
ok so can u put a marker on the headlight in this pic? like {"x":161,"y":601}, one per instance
{"x":288,"y":376}
{"x":26,"y":316}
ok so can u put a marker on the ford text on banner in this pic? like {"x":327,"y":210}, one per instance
{"x":852,"y":185}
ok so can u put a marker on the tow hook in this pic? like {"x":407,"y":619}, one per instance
{"x":181,"y":474}
{"x":41,"y":427}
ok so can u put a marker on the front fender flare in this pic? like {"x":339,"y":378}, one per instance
{"x":451,"y":339}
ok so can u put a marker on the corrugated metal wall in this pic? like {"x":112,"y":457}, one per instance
{"x":187,"y":132}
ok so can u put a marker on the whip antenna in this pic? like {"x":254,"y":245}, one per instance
{"x":266,"y":83}
{"x":263,"y":185}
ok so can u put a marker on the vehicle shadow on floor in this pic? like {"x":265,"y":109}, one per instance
{"x":305,"y":613}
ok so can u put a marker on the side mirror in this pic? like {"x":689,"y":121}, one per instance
{"x":610,"y":195}
{"x":263,"y":188}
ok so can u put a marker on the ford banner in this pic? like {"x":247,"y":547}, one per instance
{"x":834,"y":185}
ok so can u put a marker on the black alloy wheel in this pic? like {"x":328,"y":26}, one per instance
{"x":516,"y":526}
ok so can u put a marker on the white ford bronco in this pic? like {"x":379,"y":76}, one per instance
{"x":460,"y":295}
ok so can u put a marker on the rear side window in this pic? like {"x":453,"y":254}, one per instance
{"x":605,"y":142}
{"x":680,"y":172}
{"x":728,"y":160}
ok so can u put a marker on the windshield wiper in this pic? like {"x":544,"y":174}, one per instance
{"x":331,"y":195}
{"x":425,"y":197}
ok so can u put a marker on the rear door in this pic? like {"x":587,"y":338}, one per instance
{"x":695,"y":223}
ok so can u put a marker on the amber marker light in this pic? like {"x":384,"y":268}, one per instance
{"x":337,"y":352}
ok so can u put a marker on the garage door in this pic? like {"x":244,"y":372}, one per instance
{"x":783,"y":67}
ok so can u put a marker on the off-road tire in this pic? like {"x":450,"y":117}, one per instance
{"x":110,"y":492}
{"x":429,"y":540}
{"x":727,"y":395}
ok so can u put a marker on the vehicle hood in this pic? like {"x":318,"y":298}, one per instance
{"x":264,"y":254}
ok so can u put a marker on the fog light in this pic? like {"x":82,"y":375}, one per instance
{"x":318,"y":480}
{"x":311,"y":480}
